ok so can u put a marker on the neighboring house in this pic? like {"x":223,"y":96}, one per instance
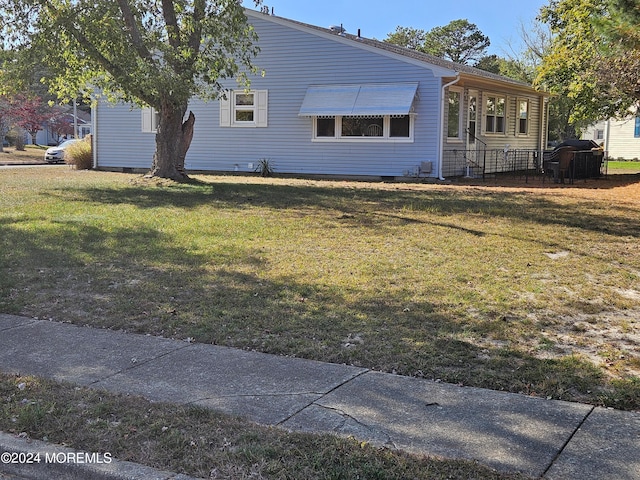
{"x":337,"y":104}
{"x":47,"y":136}
{"x":619,"y":138}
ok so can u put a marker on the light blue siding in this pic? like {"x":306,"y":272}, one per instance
{"x":119,"y":140}
{"x":293,"y":58}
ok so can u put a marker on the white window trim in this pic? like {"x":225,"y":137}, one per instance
{"x":150,"y":120}
{"x":517,"y":126}
{"x":385,"y":138}
{"x":260,"y":106}
{"x":460,"y":93}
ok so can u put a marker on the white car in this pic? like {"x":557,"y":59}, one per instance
{"x":56,"y":154}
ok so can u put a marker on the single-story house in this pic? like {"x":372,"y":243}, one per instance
{"x":47,"y":135}
{"x":332,"y":103}
{"x":619,"y":138}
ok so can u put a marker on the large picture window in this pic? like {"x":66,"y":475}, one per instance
{"x":495,"y":114}
{"x":364,"y":128}
{"x":370,"y":112}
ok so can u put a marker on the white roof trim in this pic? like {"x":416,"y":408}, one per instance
{"x":359,"y":99}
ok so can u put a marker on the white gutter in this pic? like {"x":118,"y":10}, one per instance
{"x":441,"y":129}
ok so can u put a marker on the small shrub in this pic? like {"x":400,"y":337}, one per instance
{"x":16,"y":138}
{"x":265,"y":167}
{"x":79,"y":155}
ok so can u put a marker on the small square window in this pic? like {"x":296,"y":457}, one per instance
{"x":400,"y":127}
{"x":244,"y":107}
{"x":326,"y":127}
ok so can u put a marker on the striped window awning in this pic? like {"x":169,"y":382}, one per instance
{"x":359,"y":100}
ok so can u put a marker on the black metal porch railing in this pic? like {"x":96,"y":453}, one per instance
{"x":522,"y":163}
{"x":482,"y":162}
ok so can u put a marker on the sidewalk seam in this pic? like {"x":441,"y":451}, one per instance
{"x":573,"y":434}
{"x":136,"y":365}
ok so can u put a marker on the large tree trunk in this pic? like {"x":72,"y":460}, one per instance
{"x":172,"y":142}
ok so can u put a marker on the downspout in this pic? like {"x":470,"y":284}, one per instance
{"x":94,"y":131}
{"x":607,"y":133}
{"x":544,"y":126}
{"x":441,"y":132}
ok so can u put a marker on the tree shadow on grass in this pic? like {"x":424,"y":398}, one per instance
{"x":372,"y":207}
{"x":138,"y":280}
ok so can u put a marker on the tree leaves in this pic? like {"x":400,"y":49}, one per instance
{"x":133,"y":50}
{"x":459,"y":41}
{"x":594,"y":57}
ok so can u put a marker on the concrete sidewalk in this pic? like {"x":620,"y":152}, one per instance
{"x":511,"y":433}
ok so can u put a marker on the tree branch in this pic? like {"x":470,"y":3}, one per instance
{"x":173,"y":30}
{"x":195,"y":38}
{"x":109,"y":66}
{"x":132,"y":28}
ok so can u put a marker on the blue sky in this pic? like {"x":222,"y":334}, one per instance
{"x":500,"y":20}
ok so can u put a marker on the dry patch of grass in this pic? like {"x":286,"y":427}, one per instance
{"x":527,"y":288}
{"x":31,"y":154}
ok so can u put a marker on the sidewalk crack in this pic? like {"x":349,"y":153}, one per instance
{"x":387,"y":443}
{"x":322,"y":395}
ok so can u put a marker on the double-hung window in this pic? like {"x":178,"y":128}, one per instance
{"x":244,"y":108}
{"x":636,"y":128}
{"x":523,"y":117}
{"x":495,"y":114}
{"x":454,"y":130}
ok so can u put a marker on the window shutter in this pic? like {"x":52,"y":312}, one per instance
{"x":147,"y":120}
{"x":225,"y":110}
{"x":261,"y":107}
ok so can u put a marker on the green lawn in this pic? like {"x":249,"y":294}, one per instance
{"x":534,"y":291}
{"x":614,"y":166}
